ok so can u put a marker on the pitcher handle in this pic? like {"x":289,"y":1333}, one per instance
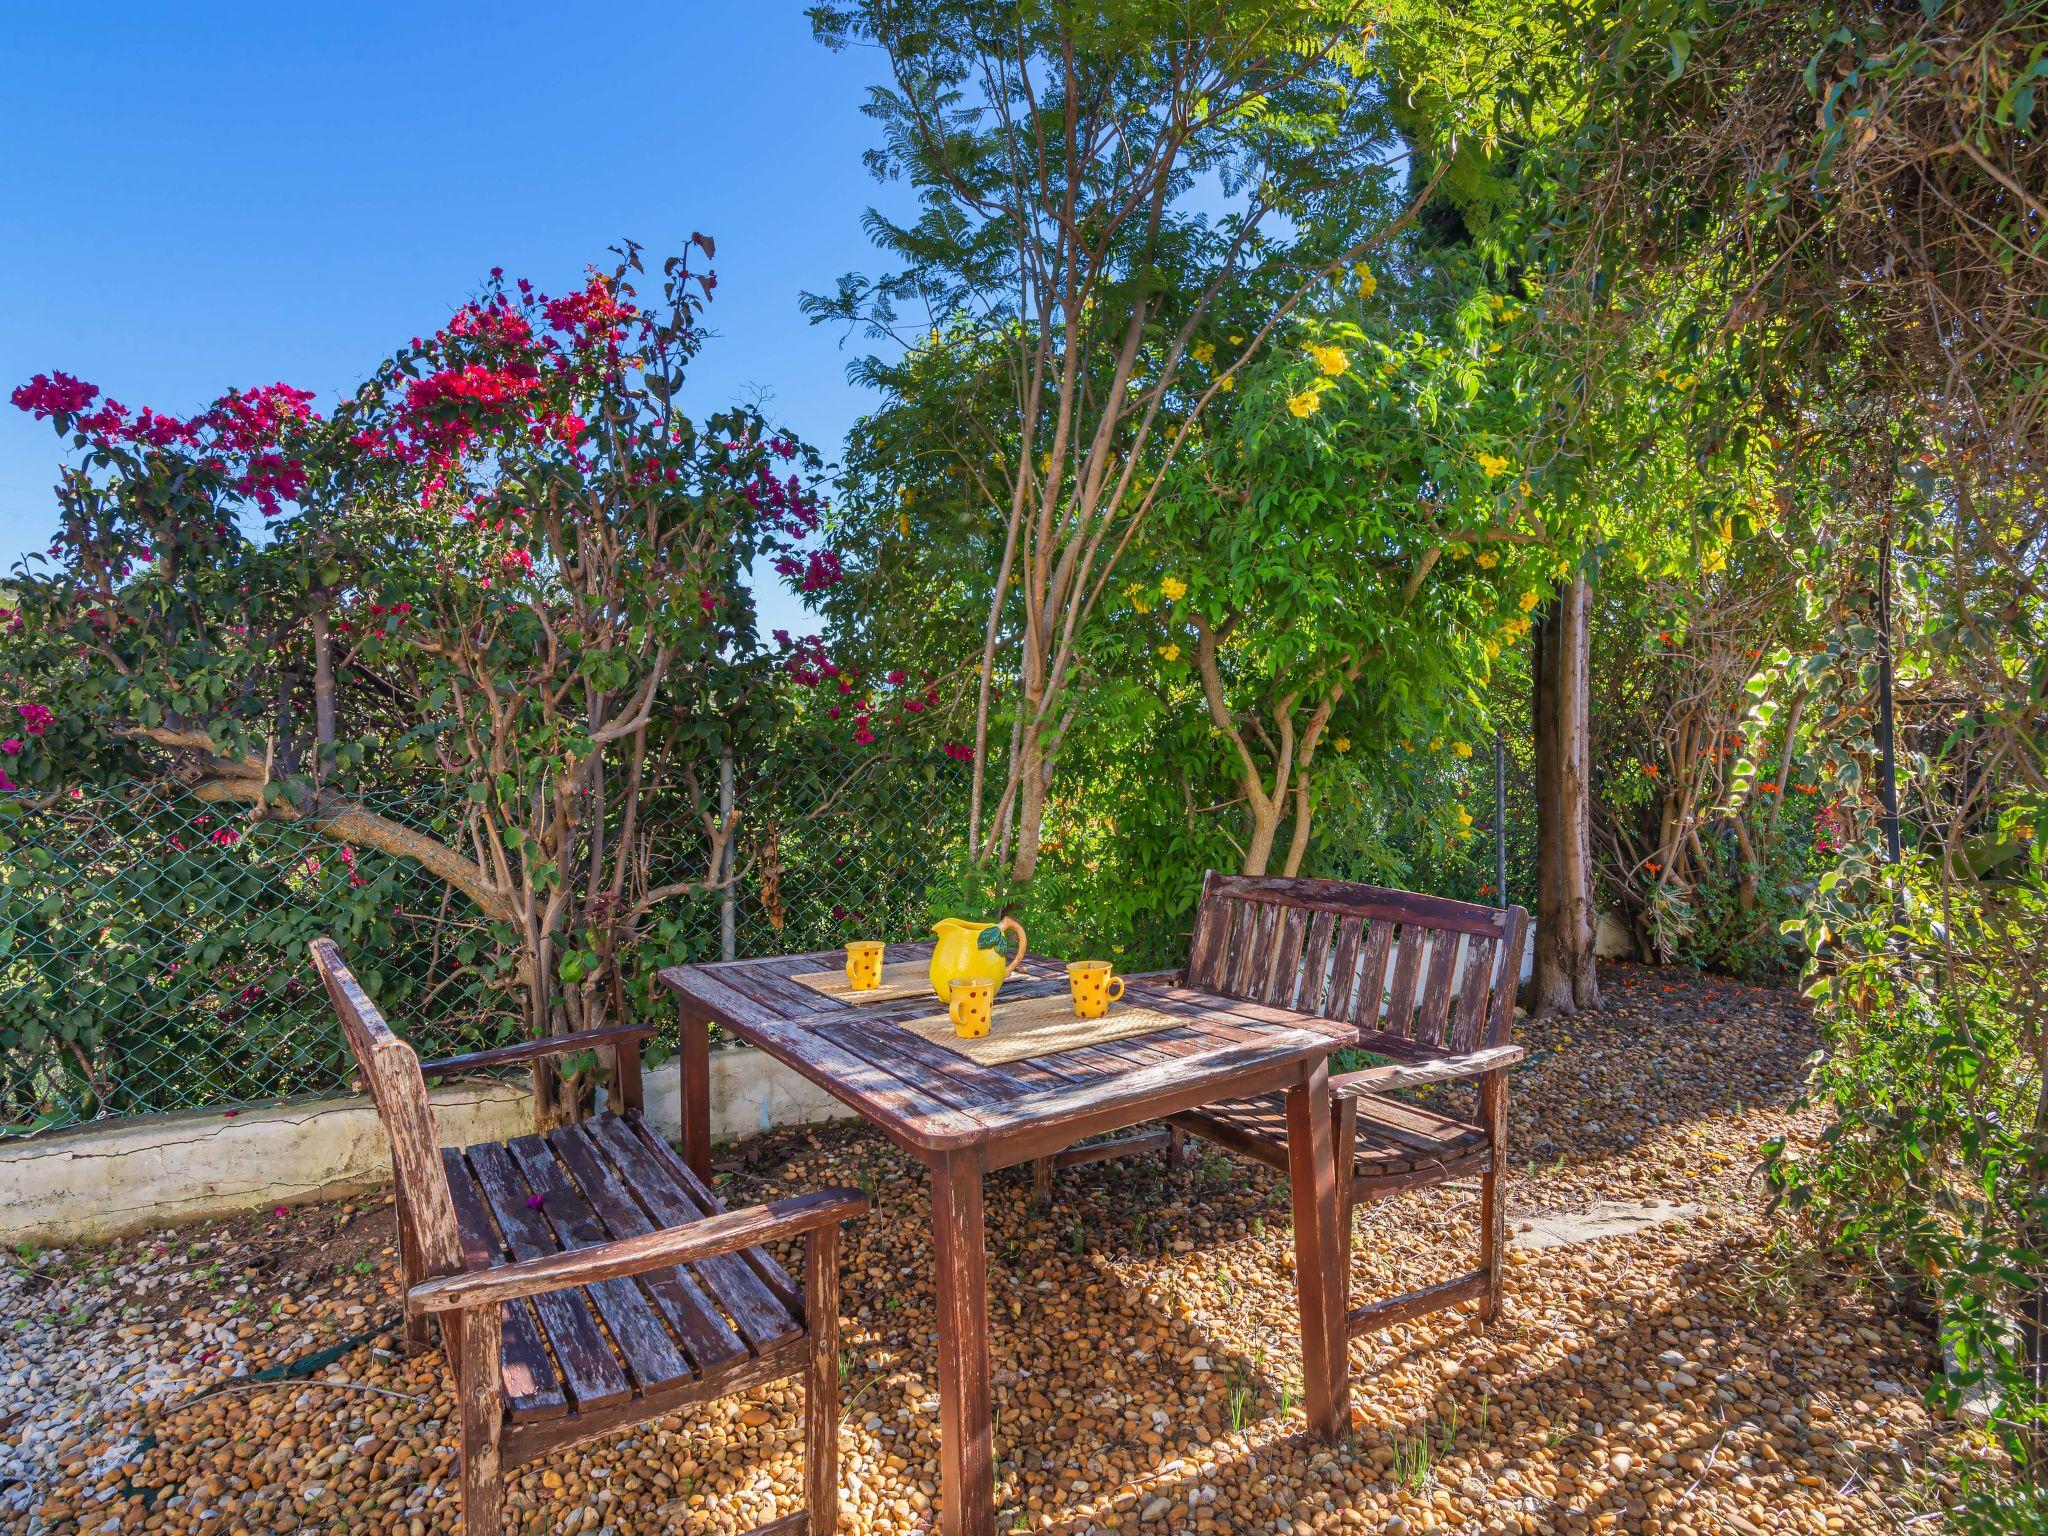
{"x":1023,"y":945}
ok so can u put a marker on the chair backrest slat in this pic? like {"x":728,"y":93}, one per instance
{"x":1400,"y":1018}
{"x":392,"y":1072}
{"x":1436,"y":987}
{"x":1438,"y":971}
{"x":1474,"y":991}
{"x":1507,"y":977}
{"x":1285,"y":974}
{"x":1344,"y":967}
{"x":1370,"y":998}
{"x":1211,"y":943}
{"x":1315,"y":964}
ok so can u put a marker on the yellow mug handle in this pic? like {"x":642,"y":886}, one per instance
{"x":1023,"y":945}
{"x":953,"y":1010}
{"x":1115,"y":988}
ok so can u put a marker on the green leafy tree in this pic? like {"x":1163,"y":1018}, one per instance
{"x":1101,"y":194}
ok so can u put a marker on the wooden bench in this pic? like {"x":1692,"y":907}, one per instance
{"x":586,"y":1280}
{"x":1430,"y":983}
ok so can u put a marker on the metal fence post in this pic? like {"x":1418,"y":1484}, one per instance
{"x":728,"y":901}
{"x":1500,"y":819}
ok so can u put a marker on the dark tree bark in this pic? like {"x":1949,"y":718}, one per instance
{"x":1565,"y":979}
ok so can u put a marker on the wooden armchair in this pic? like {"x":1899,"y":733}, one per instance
{"x":586,"y":1280}
{"x":1327,"y":947}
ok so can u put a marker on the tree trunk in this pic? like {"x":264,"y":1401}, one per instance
{"x":1030,"y":801}
{"x":1565,"y":980}
{"x":323,"y":686}
{"x":1258,"y":852}
{"x":1304,"y":817}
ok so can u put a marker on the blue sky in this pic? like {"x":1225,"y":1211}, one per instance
{"x":225,"y":194}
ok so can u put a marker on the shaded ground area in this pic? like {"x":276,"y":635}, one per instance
{"x":1677,"y":1377}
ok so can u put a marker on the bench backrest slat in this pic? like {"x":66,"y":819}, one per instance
{"x":426,"y":1212}
{"x":1441,"y":972}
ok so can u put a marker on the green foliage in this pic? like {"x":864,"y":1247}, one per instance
{"x":1932,"y":1169}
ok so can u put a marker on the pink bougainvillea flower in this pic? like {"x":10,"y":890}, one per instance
{"x":534,"y":1202}
{"x":35,"y":718}
{"x":47,"y":394}
{"x":11,"y":746}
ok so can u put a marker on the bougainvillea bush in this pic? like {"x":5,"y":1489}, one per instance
{"x":509,"y":572}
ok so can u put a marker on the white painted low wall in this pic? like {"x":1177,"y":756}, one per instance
{"x":126,"y":1176}
{"x":101,"y":1181}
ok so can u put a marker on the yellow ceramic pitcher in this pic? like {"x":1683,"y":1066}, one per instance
{"x":960,"y":957}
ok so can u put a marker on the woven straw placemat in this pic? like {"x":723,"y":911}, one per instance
{"x":1042,"y":1026}
{"x":909,"y":979}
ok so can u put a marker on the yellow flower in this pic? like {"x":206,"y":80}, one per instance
{"x":1227,"y":383}
{"x":903,"y":496}
{"x":1330,"y":359}
{"x":1462,"y":748}
{"x":1464,"y":817}
{"x":1529,"y":600}
{"x":1494,"y":465}
{"x":1235,"y":340}
{"x":1173,"y":589}
{"x":1493,"y":650}
{"x":1342,"y":743}
{"x":903,"y":524}
{"x":1436,"y":743}
{"x":1368,"y":285}
{"x":1488,"y":559}
{"x":1307,"y":403}
{"x":1202,"y":351}
{"x":1525,"y":488}
{"x":1169,"y":652}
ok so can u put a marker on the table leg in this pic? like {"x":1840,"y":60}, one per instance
{"x":696,"y":1108}
{"x":1318,"y":1253}
{"x":967,"y":1462}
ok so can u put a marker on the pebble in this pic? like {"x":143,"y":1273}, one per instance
{"x":1677,"y":1381}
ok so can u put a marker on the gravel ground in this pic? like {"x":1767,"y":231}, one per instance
{"x":1688,"y":1378}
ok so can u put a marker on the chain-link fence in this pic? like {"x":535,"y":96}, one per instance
{"x":152,"y":946}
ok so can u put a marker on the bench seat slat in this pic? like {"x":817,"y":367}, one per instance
{"x":589,"y":1369}
{"x":532,"y":1390}
{"x":1393,"y":1137}
{"x":707,"y":1336}
{"x":650,"y":1356}
{"x":660,"y":1182}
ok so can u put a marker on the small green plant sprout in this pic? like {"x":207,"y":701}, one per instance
{"x":1414,"y":1463}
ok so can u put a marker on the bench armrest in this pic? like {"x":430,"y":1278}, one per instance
{"x":1409,"y":1074}
{"x":1165,"y":978}
{"x":533,"y":1050}
{"x":688,"y":1244}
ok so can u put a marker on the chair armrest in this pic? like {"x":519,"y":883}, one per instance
{"x":531,"y":1050}
{"x":1409,"y":1074}
{"x":687,"y":1244}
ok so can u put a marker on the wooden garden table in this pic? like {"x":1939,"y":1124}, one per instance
{"x":962,"y":1119}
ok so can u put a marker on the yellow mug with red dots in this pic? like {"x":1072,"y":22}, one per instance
{"x":1094,"y":988}
{"x":973,"y":1002}
{"x":864,"y":964}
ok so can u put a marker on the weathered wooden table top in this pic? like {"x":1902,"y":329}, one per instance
{"x":932,"y":1099}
